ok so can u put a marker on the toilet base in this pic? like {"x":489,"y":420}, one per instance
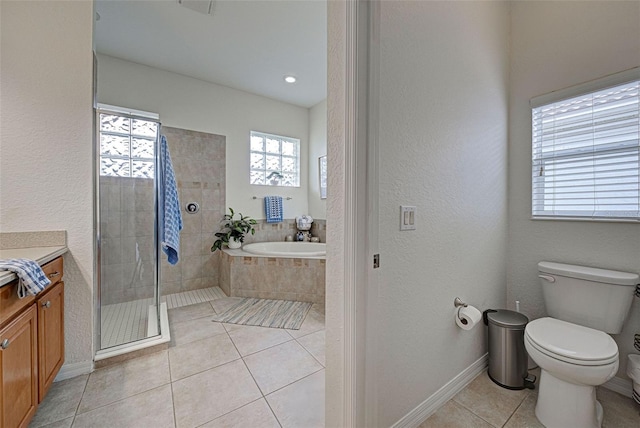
{"x":562,"y":404}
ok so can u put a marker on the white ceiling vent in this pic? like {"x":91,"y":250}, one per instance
{"x":201,"y":6}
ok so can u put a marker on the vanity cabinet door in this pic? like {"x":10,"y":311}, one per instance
{"x":50,"y":336}
{"x":19,"y":370}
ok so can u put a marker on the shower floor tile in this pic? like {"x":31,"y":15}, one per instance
{"x":127,"y":322}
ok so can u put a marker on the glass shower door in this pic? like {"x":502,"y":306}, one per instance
{"x":127,"y":236}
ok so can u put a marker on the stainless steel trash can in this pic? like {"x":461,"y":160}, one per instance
{"x":507,"y":354}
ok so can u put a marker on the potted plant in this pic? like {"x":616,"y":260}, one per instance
{"x":274,"y":178}
{"x":233,"y":231}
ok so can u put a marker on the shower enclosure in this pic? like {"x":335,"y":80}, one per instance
{"x":130,"y":315}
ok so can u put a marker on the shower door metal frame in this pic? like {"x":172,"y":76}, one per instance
{"x":132,"y":114}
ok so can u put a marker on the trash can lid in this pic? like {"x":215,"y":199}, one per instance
{"x":507,"y":318}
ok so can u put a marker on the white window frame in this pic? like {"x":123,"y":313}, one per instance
{"x":265,"y":170}
{"x":132,"y":114}
{"x":539,"y":160}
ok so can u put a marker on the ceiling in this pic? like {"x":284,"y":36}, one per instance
{"x":247,"y":45}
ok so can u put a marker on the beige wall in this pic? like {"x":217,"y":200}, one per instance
{"x":46,"y":115}
{"x":555,"y":45}
{"x":317,"y":148}
{"x":193,"y":104}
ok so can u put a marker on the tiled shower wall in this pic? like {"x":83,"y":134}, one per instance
{"x":127,"y":218}
{"x":199,"y":163}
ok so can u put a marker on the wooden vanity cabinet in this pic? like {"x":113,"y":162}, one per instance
{"x":31,"y":347}
{"x":19,"y":369}
{"x":50,"y":337}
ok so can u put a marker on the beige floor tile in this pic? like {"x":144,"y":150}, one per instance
{"x":453,"y":415}
{"x":123,"y":380}
{"x":190,"y":312}
{"x":300,"y":404}
{"x":201,"y":398}
{"x":491,"y":402}
{"x":312,"y":323}
{"x":254,"y":415}
{"x":249,"y":339}
{"x":525,"y":415}
{"x":201,"y":355}
{"x":149,"y":409}
{"x":619,"y":411}
{"x":65,"y":423}
{"x":61,"y":401}
{"x":315,"y":344}
{"x":281,"y":365}
{"x":196,"y":329}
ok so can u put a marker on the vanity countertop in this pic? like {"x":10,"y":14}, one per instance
{"x":41,"y":255}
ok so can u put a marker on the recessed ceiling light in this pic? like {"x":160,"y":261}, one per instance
{"x":290,"y":79}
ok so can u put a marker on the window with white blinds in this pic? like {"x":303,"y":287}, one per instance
{"x":586,"y":151}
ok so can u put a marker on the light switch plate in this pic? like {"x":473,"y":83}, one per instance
{"x":407,"y":217}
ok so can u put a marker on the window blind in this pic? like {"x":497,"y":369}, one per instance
{"x":586,"y":155}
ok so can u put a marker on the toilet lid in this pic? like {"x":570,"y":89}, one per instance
{"x":571,"y":342}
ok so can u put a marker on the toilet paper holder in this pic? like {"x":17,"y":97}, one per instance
{"x":458,"y":303}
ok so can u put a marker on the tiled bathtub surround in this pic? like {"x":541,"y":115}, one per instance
{"x":273,"y":278}
{"x":199,"y":163}
{"x":277,"y":232}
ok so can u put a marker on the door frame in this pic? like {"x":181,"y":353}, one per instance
{"x":351,"y":388}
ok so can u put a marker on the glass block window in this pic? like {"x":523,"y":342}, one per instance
{"x":127,"y":145}
{"x":274,"y":160}
{"x":586,"y":151}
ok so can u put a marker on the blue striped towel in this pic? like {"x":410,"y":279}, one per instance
{"x":171,"y":217}
{"x":31,"y":277}
{"x":273,"y":208}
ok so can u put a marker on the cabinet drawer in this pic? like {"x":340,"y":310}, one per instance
{"x":53,"y":270}
{"x":11,"y":305}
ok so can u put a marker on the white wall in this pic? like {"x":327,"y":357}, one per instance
{"x":555,"y":45}
{"x":184,"y":102}
{"x":317,"y":148}
{"x":46,"y":142}
{"x":443,"y":148}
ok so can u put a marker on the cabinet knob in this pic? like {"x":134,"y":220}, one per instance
{"x":4,"y":344}
{"x":54,"y":274}
{"x":46,"y":304}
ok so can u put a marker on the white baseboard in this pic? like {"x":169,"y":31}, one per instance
{"x":429,"y":406}
{"x":621,"y":386}
{"x":68,"y":371}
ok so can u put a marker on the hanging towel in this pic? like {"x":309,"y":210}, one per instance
{"x":31,"y":277}
{"x":273,"y":208}
{"x":171,"y":217}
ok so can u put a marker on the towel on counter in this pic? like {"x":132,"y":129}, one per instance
{"x":273,"y":208}
{"x":31,"y":277}
{"x":171,"y":217}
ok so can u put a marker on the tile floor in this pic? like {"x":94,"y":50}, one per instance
{"x":483,"y":404}
{"x":225,"y":375}
{"x":212,"y":375}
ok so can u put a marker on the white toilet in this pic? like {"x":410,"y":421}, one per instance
{"x":572,"y":347}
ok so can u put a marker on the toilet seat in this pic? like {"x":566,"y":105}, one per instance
{"x":571,"y":343}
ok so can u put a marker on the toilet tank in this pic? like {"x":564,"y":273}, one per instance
{"x":596,"y":298}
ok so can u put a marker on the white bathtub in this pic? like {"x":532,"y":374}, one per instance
{"x":286,"y":249}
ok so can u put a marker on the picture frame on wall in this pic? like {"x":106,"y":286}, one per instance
{"x":322,"y":168}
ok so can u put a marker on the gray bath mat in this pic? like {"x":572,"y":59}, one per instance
{"x":266,"y":313}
